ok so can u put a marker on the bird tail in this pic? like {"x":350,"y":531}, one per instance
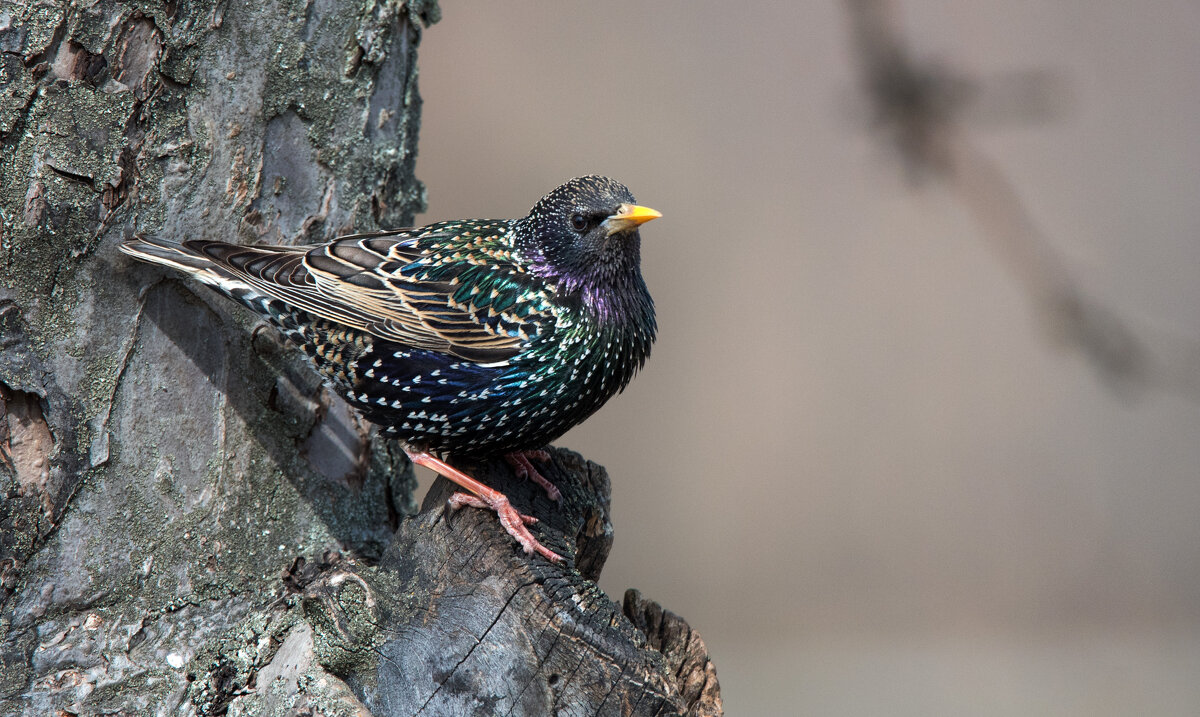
{"x":248,"y":275}
{"x":182,"y":257}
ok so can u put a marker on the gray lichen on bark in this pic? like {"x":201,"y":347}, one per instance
{"x":192,"y":473}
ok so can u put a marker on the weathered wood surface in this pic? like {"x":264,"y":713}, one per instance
{"x":457,"y":620}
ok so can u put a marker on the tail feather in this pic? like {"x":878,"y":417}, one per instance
{"x":191,"y":258}
{"x":179,"y":257}
{"x":206,"y":262}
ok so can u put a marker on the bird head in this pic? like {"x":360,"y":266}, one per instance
{"x":584,"y":234}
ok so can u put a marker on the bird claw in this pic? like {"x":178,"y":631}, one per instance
{"x":481,"y":496}
{"x":519,"y":460}
{"x":514,"y":523}
{"x":460,"y":499}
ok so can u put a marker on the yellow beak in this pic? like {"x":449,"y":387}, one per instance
{"x":629,"y":216}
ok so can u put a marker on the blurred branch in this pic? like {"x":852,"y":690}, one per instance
{"x":919,"y":108}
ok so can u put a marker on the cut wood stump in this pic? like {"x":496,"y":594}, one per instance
{"x":457,"y":620}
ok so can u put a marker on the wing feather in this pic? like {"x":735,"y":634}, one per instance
{"x":375,"y":283}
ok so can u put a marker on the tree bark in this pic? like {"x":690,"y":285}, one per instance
{"x":164,"y":460}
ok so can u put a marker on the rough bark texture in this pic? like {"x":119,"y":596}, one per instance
{"x":163,"y":460}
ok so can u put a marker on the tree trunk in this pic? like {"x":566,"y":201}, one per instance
{"x":189,"y":523}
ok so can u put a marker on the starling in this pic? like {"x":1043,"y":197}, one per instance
{"x":467,"y":338}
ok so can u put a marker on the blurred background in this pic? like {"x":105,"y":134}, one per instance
{"x":921,"y":432}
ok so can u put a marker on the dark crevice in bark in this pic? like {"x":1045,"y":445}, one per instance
{"x":73,"y":176}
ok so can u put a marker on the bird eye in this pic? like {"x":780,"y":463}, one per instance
{"x":579,"y":222}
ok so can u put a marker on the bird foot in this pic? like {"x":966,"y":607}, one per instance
{"x":513,"y":522}
{"x":521,"y":464}
{"x":481,"y":496}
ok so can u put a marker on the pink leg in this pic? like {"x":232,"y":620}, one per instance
{"x":484,"y":497}
{"x":519,"y":460}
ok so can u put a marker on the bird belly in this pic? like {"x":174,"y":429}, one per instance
{"x":435,"y":402}
{"x":445,"y":404}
